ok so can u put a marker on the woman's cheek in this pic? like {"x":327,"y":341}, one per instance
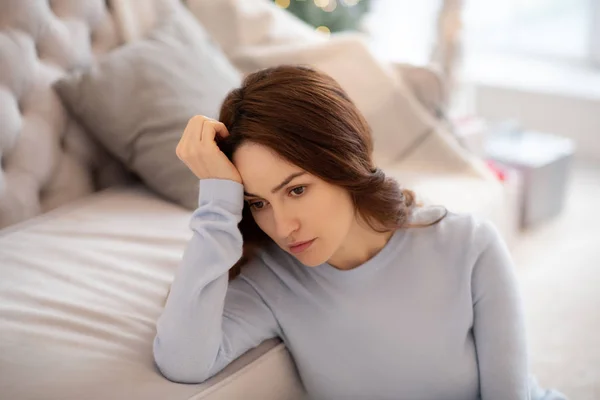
{"x":263,"y":221}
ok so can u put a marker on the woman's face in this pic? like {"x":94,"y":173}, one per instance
{"x":306,"y":216}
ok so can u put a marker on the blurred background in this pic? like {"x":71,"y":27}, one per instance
{"x":535,"y":62}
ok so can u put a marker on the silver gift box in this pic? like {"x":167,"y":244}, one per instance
{"x":543,"y":162}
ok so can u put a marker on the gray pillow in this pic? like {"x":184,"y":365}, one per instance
{"x":137,"y":100}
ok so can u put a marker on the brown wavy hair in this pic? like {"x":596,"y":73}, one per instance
{"x":307,"y":118}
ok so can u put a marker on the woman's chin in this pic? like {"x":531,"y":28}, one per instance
{"x":311,"y":260}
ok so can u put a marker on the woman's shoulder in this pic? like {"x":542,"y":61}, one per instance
{"x":455,"y":227}
{"x":458,"y":239}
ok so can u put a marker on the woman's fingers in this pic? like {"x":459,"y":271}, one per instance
{"x":191,"y":134}
{"x":198,"y":150}
{"x":211,"y":128}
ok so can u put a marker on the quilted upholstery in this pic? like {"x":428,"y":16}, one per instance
{"x":46,"y":158}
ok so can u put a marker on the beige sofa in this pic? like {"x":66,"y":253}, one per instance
{"x":87,"y":253}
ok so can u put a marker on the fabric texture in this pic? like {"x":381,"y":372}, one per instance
{"x":409,"y":323}
{"x":81,"y":288}
{"x":46,"y":158}
{"x":138,"y":99}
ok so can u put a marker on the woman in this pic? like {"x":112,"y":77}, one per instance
{"x":374,"y":297}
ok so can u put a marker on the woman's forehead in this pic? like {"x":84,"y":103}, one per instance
{"x":261,"y":167}
{"x":252,"y":156}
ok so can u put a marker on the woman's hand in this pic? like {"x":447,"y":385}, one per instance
{"x":199,"y":151}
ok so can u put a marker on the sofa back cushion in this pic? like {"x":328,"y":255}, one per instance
{"x":46,"y":159}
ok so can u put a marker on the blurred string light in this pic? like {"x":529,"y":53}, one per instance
{"x":323,"y":29}
{"x":330,"y":7}
{"x":328,"y":16}
{"x":283,"y":3}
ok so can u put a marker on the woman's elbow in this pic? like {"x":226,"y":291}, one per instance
{"x":177,"y":368}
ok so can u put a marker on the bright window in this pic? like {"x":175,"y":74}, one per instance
{"x":539,"y":28}
{"x":405,"y":30}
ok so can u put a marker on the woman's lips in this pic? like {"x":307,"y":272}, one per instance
{"x":302,"y":246}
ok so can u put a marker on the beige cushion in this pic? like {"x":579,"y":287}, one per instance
{"x":46,"y":159}
{"x":80,"y":290}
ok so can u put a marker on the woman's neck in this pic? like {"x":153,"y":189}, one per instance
{"x":361,"y":244}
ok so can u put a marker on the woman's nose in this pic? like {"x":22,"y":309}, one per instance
{"x":285,"y":224}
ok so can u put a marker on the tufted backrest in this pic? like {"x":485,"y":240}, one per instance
{"x":46,"y":158}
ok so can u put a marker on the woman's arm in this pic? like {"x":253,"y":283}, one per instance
{"x":499,"y":326}
{"x":207,"y":323}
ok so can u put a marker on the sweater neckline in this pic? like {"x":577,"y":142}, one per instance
{"x":379,"y":260}
{"x":424,"y":215}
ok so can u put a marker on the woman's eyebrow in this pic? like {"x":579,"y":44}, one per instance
{"x":286,"y":181}
{"x":281,"y":185}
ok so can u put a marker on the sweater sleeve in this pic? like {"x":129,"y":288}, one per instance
{"x":499,"y":326}
{"x":207,"y":322}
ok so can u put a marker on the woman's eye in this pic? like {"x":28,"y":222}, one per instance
{"x":298,"y":190}
{"x":257,"y":205}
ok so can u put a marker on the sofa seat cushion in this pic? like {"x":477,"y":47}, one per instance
{"x":80,"y":290}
